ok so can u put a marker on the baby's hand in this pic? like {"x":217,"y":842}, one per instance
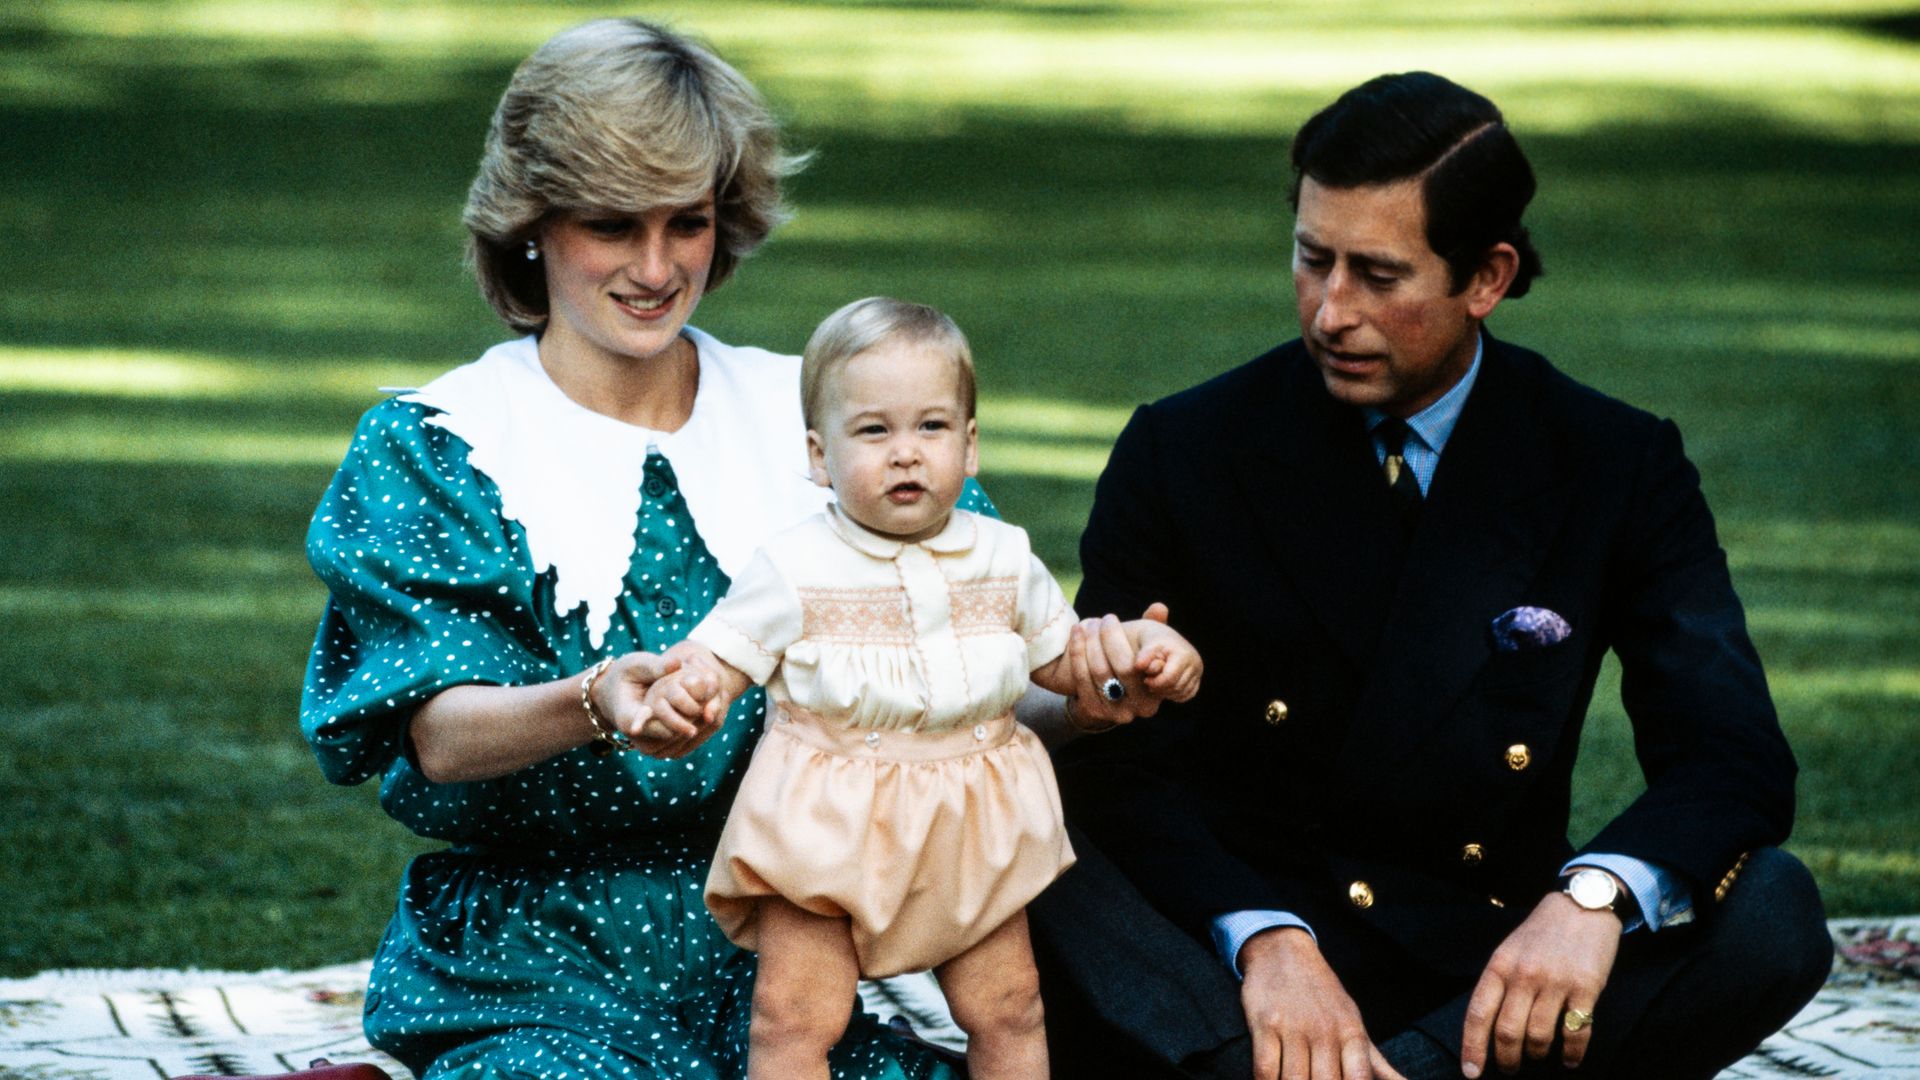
{"x":691,"y":698}
{"x":1169,"y":662}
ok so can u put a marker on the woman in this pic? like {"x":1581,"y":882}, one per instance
{"x":508,"y":549}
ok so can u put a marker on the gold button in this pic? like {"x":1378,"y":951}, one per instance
{"x":1496,"y":901}
{"x":1518,"y":756}
{"x":1361,"y":894}
{"x":1472,"y":853}
{"x":1276,"y":712}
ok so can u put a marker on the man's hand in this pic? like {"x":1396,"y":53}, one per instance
{"x":1098,"y":650}
{"x":1558,"y":959}
{"x":1304,"y":1026}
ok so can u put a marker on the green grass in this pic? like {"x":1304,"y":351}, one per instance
{"x":225,"y":223}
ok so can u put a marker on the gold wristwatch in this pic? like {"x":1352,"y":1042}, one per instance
{"x":1594,"y":890}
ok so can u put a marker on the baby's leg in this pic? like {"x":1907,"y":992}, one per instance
{"x":994,"y":992}
{"x":803,"y":994}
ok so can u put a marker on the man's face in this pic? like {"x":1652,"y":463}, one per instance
{"x":1377,"y":309}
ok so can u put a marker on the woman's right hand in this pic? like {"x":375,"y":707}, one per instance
{"x":620,"y":695}
{"x":479,"y":732}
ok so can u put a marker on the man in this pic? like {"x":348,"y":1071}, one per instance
{"x":1403,"y":548}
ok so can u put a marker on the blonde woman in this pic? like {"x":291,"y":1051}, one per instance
{"x":510,"y":548}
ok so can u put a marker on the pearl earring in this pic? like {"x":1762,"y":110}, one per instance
{"x":533,"y":251}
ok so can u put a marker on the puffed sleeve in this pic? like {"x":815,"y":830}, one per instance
{"x":1045,"y":617}
{"x":427,"y":588}
{"x":752,"y":626}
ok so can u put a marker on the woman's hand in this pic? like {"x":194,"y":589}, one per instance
{"x":684,"y":705}
{"x":629,"y":694}
{"x":480,"y":732}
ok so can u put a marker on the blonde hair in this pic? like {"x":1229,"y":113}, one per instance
{"x":860,"y":326}
{"x":619,"y":115}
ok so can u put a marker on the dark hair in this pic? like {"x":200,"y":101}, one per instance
{"x":1417,"y":124}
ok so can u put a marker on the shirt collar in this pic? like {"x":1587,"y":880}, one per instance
{"x":1434,"y":424}
{"x":956,"y":536}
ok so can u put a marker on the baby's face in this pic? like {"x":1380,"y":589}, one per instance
{"x":896,"y":445}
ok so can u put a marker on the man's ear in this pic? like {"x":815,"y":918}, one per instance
{"x":1490,"y":283}
{"x":973,"y":448}
{"x":817,"y":459}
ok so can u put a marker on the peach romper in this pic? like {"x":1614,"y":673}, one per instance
{"x":893,"y":785}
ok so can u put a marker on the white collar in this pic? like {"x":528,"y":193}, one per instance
{"x":572,"y":477}
{"x":956,"y":535}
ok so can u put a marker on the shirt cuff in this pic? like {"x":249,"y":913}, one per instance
{"x":1231,"y":931}
{"x":1664,"y":899}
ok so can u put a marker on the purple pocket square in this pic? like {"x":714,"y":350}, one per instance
{"x":1526,"y":628}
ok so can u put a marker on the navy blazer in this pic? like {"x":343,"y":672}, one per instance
{"x":1359,"y":753}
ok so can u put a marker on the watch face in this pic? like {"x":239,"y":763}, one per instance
{"x":1592,"y":889}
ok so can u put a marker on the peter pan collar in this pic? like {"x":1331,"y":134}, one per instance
{"x":956,"y":536}
{"x":573,"y":477}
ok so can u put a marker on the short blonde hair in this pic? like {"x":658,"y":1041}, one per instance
{"x":619,"y":115}
{"x":860,"y":326}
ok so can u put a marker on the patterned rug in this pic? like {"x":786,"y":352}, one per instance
{"x":149,"y":1025}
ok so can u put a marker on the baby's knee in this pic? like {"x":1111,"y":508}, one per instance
{"x":792,"y":1017}
{"x":1011,"y":1006}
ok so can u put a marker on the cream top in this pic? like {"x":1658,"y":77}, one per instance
{"x":886,"y":635}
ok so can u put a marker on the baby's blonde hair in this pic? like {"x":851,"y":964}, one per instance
{"x":860,"y":326}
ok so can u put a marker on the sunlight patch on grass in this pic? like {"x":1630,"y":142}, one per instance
{"x":286,"y":21}
{"x":1028,"y":457}
{"x":1804,"y":337}
{"x":1826,"y":547}
{"x":904,"y":226}
{"x":1821,"y":857}
{"x":1050,"y":417}
{"x":1833,"y":622}
{"x":140,"y":373}
{"x":1891,"y":683}
{"x":226,"y":563}
{"x":1195,"y":66}
{"x":164,"y":442}
{"x":162,"y":604}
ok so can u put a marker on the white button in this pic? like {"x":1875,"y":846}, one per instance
{"x":980,"y":732}
{"x":873,"y":738}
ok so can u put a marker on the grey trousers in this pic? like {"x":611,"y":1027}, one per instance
{"x":1130,"y":995}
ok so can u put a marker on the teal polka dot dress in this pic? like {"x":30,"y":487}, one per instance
{"x":561,"y":932}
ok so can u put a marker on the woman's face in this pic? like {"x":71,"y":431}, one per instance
{"x":622,"y":285}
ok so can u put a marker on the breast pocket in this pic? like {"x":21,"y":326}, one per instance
{"x":1507,"y":673}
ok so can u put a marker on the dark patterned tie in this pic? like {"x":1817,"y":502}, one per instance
{"x":1392,"y":433}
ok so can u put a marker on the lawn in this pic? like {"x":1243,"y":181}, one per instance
{"x":225,"y":224}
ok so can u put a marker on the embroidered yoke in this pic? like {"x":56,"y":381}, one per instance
{"x":894,"y":786}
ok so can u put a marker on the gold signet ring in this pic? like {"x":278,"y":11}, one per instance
{"x":1576,"y":1020}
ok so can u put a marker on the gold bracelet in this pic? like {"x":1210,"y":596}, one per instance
{"x":1074,"y":722}
{"x":606,"y":737}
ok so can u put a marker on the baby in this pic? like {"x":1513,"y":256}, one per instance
{"x":895,"y":816}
